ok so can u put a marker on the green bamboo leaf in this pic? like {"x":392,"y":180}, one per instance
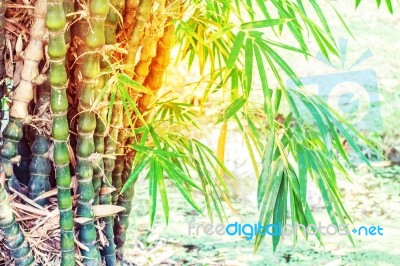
{"x":232,"y":109}
{"x":176,"y":173}
{"x":131,"y":83}
{"x":264,"y":85}
{"x":152,"y":190}
{"x":322,"y":18}
{"x":280,"y":209}
{"x":161,"y":186}
{"x":248,"y":67}
{"x":311,"y":220}
{"x":302,"y":164}
{"x":272,"y":182}
{"x":327,"y":200}
{"x":389,"y":6}
{"x":155,"y":137}
{"x":171,"y":172}
{"x":263,"y":8}
{"x":263,"y":23}
{"x":236,"y":48}
{"x":135,"y":173}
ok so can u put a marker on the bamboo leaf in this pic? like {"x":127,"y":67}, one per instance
{"x":232,"y":109}
{"x":248,"y":67}
{"x":135,"y":173}
{"x":263,"y":23}
{"x":236,"y":48}
{"x":152,"y":190}
{"x":163,"y":193}
{"x":221,"y":145}
{"x":389,"y":6}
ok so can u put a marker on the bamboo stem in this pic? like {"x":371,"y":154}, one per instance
{"x":153,"y":81}
{"x":101,"y":142}
{"x":68,"y":9}
{"x":159,"y":64}
{"x":40,"y":167}
{"x":23,"y":94}
{"x":14,"y":239}
{"x":152,"y":34}
{"x":142,"y":17}
{"x":56,"y":23}
{"x":109,"y":164}
{"x":129,"y":18}
{"x":86,"y":126}
{"x":2,"y":46}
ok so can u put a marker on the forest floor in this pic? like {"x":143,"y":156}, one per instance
{"x":371,"y":199}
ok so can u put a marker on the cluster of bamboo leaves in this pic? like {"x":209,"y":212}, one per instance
{"x":234,"y":43}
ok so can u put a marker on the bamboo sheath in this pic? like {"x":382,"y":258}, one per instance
{"x":56,"y":24}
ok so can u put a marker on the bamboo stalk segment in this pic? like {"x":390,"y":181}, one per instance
{"x":109,"y":164}
{"x":2,"y":46}
{"x":14,"y":238}
{"x":129,"y":18}
{"x":142,"y":17}
{"x":56,"y":23}
{"x":107,"y":145}
{"x":98,"y":10}
{"x":40,"y":167}
{"x":152,"y":34}
{"x":23,"y":93}
{"x":156,"y":50}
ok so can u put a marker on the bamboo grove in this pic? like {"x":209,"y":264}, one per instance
{"x":87,"y":116}
{"x":68,"y":114}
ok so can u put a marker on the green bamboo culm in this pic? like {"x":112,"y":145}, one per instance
{"x":40,"y":167}
{"x":85,"y":148}
{"x":110,"y":29}
{"x":108,"y":251}
{"x":98,"y":137}
{"x":12,"y":134}
{"x":119,"y":164}
{"x":56,"y":22}
{"x":14,"y":239}
{"x":109,"y":165}
{"x":125,"y":199}
{"x":68,"y":9}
